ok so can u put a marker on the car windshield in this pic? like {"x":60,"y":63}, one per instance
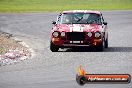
{"x":80,"y":18}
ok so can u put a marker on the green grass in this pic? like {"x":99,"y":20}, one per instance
{"x":60,"y":5}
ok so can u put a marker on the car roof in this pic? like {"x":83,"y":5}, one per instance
{"x":81,"y":11}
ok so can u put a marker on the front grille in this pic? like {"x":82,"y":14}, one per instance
{"x":76,"y":36}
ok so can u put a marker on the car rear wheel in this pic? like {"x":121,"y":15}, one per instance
{"x":53,"y":47}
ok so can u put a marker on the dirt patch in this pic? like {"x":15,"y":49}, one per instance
{"x":10,"y":50}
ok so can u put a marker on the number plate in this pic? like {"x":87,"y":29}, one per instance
{"x":75,"y":41}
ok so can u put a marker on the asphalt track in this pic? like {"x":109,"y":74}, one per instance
{"x":57,"y":70}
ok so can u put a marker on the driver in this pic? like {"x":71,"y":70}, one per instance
{"x":67,"y":19}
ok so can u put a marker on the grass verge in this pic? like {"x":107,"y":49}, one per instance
{"x":60,"y":5}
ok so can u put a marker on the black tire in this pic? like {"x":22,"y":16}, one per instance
{"x":53,"y":47}
{"x":100,"y":47}
{"x":106,"y":43}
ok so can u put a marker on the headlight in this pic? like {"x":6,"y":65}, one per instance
{"x":97,"y":34}
{"x":55,"y":34}
{"x":63,"y":34}
{"x":89,"y":34}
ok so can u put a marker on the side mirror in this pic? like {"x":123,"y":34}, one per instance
{"x":105,"y":23}
{"x":53,"y":22}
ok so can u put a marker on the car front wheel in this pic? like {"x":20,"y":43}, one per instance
{"x":53,"y":47}
{"x":106,"y":43}
{"x":101,"y":46}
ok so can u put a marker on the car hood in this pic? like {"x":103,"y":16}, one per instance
{"x":78,"y":27}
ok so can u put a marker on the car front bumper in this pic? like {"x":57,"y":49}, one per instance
{"x":67,"y":43}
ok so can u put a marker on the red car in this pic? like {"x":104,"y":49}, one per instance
{"x":79,"y":28}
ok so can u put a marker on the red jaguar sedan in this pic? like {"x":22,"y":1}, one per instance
{"x":79,"y":28}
